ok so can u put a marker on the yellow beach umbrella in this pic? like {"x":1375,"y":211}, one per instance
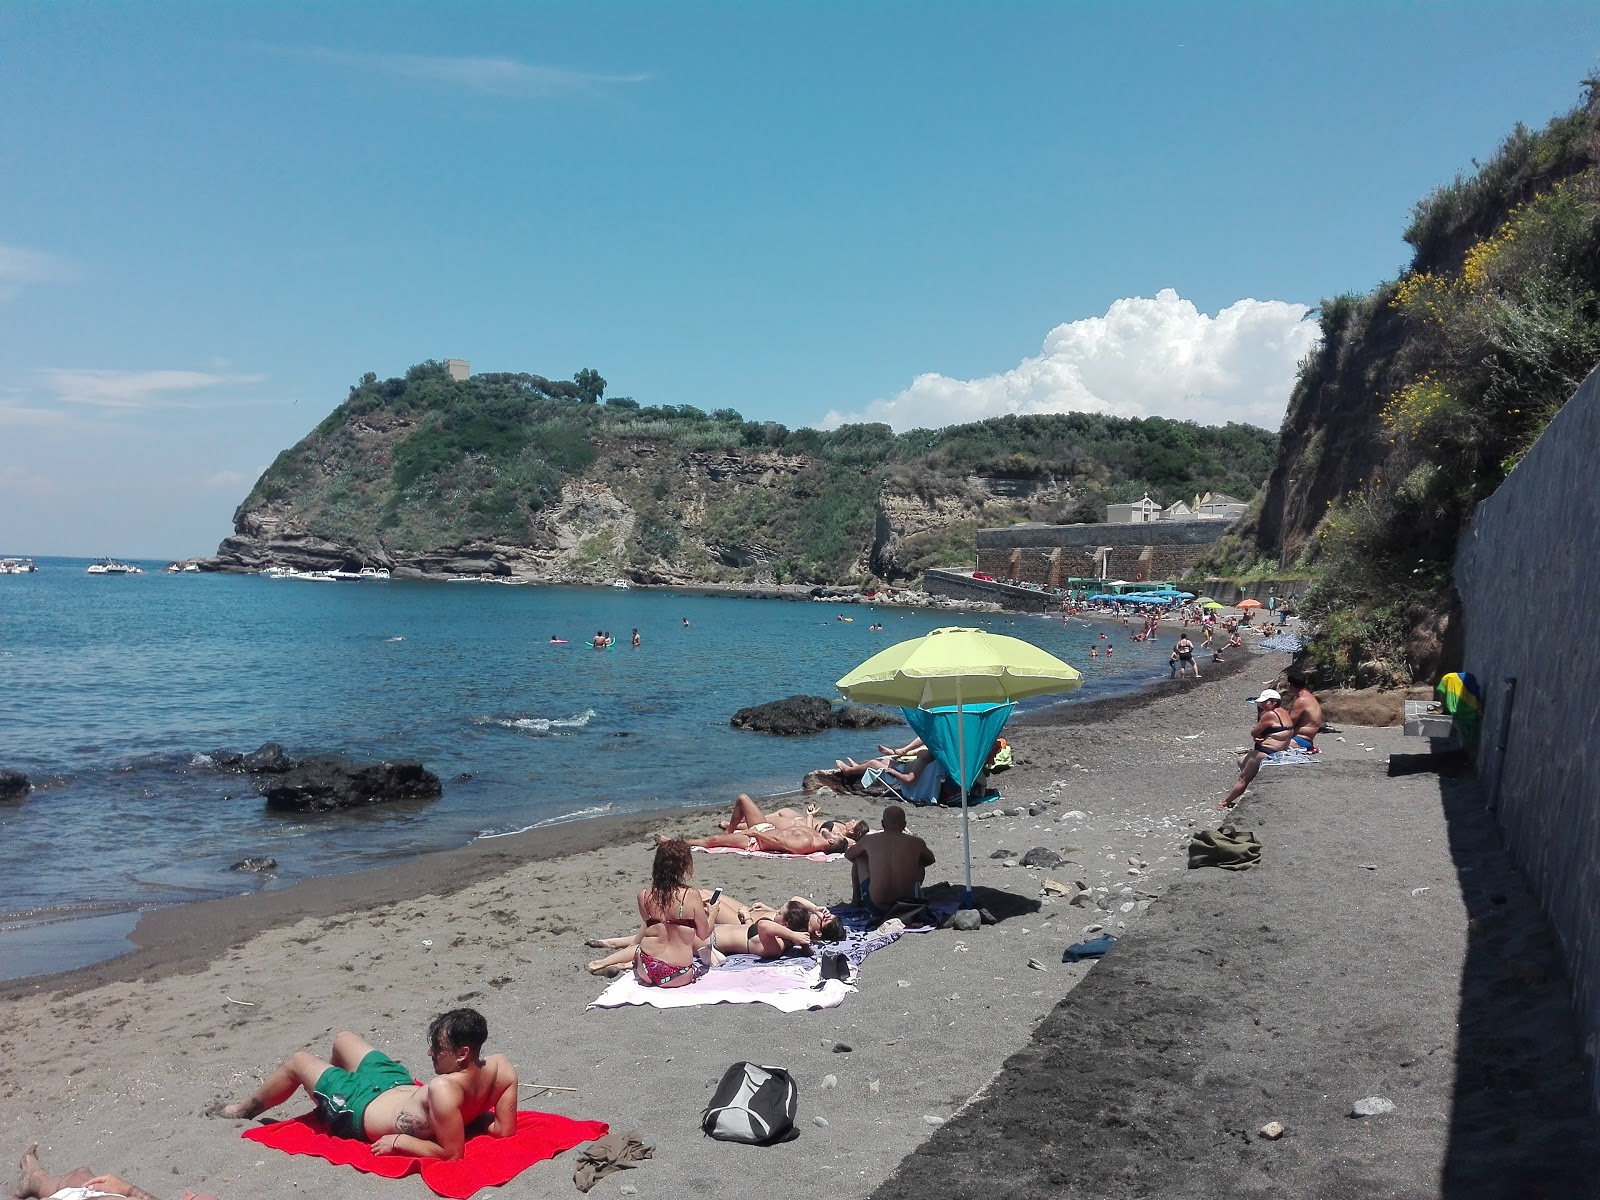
{"x":1212,"y":604}
{"x":955,"y":666}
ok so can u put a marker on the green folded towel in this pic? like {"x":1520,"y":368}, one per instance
{"x":1228,"y":848}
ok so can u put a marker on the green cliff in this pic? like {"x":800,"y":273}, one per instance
{"x":543,"y":479}
{"x":1426,"y":392}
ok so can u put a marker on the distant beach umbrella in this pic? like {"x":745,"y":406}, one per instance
{"x":1248,"y":604}
{"x":949,"y":669}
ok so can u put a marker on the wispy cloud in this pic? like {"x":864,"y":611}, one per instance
{"x":137,"y":391}
{"x":487,"y":76}
{"x":1146,"y":357}
{"x":21,"y":266}
{"x":227,"y":478}
{"x":20,"y":481}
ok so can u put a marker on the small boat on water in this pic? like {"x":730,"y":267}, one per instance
{"x":17,"y":566}
{"x":374,"y":573}
{"x":620,"y":583}
{"x":112,"y":566}
{"x":183,"y":568}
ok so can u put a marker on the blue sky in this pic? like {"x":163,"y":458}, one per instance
{"x":216,"y":217}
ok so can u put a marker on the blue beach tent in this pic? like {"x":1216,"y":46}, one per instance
{"x":960,"y":738}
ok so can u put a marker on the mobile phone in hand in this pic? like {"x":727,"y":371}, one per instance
{"x":716,"y":895}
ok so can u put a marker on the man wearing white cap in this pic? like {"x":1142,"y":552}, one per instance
{"x":1272,"y":732}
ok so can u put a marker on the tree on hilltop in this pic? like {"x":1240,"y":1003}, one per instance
{"x":590,"y":386}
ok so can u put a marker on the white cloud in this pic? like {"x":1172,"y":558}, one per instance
{"x":1145,"y":357}
{"x":20,"y":266}
{"x":490,"y":76}
{"x":20,"y":481}
{"x":136,"y":390}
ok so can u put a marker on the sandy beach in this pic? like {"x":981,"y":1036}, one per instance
{"x":111,"y":1066}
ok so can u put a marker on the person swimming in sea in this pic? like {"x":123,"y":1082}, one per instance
{"x":637,"y":640}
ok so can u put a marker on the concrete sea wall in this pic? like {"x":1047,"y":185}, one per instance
{"x":1526,"y":571}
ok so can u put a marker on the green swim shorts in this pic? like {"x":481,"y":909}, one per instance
{"x":342,"y":1096}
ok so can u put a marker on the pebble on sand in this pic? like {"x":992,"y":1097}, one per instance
{"x":1372,"y":1106}
{"x":1272,"y":1130}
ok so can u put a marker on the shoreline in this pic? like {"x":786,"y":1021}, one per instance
{"x":178,"y":938}
{"x":1115,"y":789}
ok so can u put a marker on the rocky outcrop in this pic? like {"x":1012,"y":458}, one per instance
{"x":14,"y":785}
{"x":809,"y":714}
{"x":328,"y":782}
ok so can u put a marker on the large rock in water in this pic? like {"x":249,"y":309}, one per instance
{"x":328,"y":781}
{"x":808,"y":714}
{"x":14,"y":785}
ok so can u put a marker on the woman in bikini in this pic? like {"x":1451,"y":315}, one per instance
{"x":741,"y":928}
{"x":673,"y":921}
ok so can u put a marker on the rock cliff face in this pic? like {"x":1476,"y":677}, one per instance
{"x":512,"y":477}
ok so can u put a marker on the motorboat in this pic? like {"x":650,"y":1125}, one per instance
{"x":342,"y":574}
{"x":183,"y":568}
{"x":17,"y":566}
{"x":374,"y":573}
{"x":112,"y":566}
{"x":620,"y":583}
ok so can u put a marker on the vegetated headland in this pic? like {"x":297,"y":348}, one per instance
{"x":1423,"y":396}
{"x":519,"y":476}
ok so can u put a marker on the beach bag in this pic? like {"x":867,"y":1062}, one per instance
{"x":754,"y":1105}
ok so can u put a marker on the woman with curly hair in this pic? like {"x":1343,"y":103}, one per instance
{"x":673,"y":921}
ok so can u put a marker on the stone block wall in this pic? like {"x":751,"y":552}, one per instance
{"x":1526,"y":572}
{"x":1052,"y":554}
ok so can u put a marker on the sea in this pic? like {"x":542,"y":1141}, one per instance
{"x":115,"y":690}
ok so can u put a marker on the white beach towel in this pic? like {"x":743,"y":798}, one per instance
{"x":1289,"y":758}
{"x":778,"y":988}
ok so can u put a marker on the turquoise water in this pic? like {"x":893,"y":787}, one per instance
{"x":114,"y":687}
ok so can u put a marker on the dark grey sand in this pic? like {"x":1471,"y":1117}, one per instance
{"x":1385,"y":947}
{"x":112,"y":1066}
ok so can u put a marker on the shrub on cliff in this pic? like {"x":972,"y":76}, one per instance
{"x":1500,"y":322}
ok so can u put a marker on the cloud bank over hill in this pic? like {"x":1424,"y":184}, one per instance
{"x":1144,"y":358}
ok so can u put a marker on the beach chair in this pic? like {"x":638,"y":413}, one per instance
{"x":924,"y":787}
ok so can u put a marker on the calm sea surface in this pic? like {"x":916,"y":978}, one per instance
{"x":113,"y":688}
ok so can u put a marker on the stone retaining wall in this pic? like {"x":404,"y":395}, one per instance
{"x":1526,"y":573}
{"x":1052,"y":554}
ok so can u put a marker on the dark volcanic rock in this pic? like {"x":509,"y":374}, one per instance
{"x":808,"y":714}
{"x":1042,"y":856}
{"x":226,"y":760}
{"x":797,"y":714}
{"x":328,"y":782}
{"x":255,"y":864}
{"x":14,"y":785}
{"x":857,"y":716}
{"x":269,"y":759}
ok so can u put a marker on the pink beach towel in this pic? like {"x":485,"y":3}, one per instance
{"x":819,"y":856}
{"x":486,"y":1162}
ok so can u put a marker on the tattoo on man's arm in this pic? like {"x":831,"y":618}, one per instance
{"x":412,"y":1124}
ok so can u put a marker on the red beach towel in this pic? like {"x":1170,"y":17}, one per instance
{"x":486,"y":1162}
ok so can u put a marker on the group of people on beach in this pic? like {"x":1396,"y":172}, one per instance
{"x":685,"y":931}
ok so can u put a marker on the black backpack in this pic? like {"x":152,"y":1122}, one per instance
{"x":752,"y":1104}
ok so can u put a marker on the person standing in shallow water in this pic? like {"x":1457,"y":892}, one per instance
{"x":637,"y":640}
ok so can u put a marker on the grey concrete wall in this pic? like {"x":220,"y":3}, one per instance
{"x":1526,"y":571}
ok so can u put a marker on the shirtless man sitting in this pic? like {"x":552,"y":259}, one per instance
{"x":1305,"y":713}
{"x":782,"y":832}
{"x":365,"y":1094}
{"x":888,"y":867}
